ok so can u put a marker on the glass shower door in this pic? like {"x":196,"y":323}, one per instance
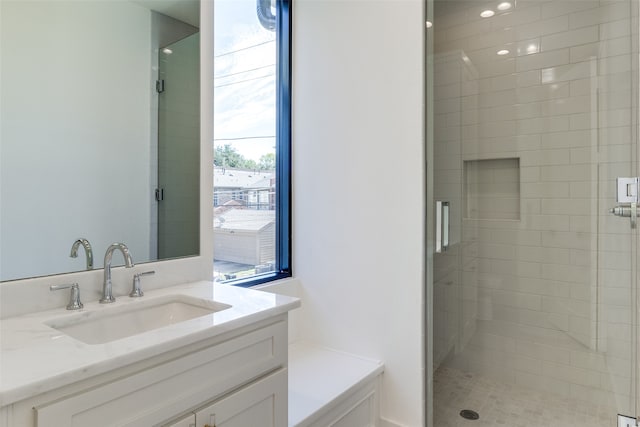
{"x":178,"y":192}
{"x":531,"y":118}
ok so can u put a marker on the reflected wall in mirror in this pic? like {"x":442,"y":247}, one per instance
{"x":99,"y":132}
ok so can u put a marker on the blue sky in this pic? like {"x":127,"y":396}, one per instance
{"x":245,"y":56}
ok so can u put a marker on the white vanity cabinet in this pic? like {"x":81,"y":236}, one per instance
{"x":238,"y":378}
{"x":262,"y":403}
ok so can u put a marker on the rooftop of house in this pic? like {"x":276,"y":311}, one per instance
{"x":240,"y":178}
{"x":243,"y":219}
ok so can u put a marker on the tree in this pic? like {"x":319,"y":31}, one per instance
{"x":227,"y":156}
{"x":267,"y":162}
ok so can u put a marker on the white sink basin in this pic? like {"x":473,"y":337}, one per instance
{"x":112,"y":323}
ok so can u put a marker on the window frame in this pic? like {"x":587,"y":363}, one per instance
{"x":283,"y":153}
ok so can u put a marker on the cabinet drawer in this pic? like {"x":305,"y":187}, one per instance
{"x":159,"y":393}
{"x":263,"y":403}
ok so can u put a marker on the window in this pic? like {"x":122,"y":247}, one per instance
{"x":252,"y":141}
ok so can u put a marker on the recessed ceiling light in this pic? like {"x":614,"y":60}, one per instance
{"x":487,"y":13}
{"x":429,"y":24}
{"x":505,"y":5}
{"x":503,"y":52}
{"x":167,"y":51}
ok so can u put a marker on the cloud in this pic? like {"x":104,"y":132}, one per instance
{"x":245,"y":88}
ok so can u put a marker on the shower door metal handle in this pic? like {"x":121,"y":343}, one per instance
{"x":442,"y":226}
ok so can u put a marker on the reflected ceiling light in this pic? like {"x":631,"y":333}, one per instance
{"x":429,"y":24}
{"x":502,"y":52}
{"x":487,"y":13}
{"x":505,"y":5}
{"x":548,"y":75}
{"x":167,"y":51}
{"x":532,"y":48}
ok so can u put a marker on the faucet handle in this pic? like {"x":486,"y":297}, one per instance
{"x":137,"y":289}
{"x":74,"y":298}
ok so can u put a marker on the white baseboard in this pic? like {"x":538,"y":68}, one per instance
{"x":387,"y":423}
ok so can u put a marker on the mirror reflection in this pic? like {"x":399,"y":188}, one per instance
{"x":99,"y":132}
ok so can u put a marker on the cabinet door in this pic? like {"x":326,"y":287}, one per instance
{"x":159,"y":393}
{"x":262,"y":403}
{"x":188,"y":421}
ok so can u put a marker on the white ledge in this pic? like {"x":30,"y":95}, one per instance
{"x":319,"y":378}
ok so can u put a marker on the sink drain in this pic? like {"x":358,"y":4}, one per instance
{"x":468,"y":414}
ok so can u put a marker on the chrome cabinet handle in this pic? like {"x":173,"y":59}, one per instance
{"x":212,"y":421}
{"x":442,"y":226}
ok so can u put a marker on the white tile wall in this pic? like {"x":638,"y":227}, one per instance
{"x":492,"y":188}
{"x":542,"y":299}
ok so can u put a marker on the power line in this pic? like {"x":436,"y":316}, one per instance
{"x":244,"y":81}
{"x":244,"y":48}
{"x":261,"y":190}
{"x":242,"y":72}
{"x":243,"y":137}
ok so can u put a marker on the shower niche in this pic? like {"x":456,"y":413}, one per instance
{"x":492,"y":189}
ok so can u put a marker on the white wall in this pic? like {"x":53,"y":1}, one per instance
{"x":75,"y":135}
{"x":358,"y":230}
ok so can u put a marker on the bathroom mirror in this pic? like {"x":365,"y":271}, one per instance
{"x":99,"y":132}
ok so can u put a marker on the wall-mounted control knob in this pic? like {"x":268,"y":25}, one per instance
{"x":623,"y":211}
{"x":136,"y":291}
{"x":74,"y":298}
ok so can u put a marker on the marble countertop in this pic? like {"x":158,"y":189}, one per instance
{"x":35,"y":358}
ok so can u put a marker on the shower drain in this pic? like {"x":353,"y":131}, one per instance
{"x":468,"y":414}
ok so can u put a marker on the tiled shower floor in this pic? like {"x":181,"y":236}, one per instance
{"x":501,"y":404}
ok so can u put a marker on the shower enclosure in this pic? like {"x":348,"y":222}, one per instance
{"x":532,"y":281}
{"x":178,"y":190}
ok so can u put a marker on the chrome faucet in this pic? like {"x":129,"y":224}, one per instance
{"x":107,"y":291}
{"x":87,"y":251}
